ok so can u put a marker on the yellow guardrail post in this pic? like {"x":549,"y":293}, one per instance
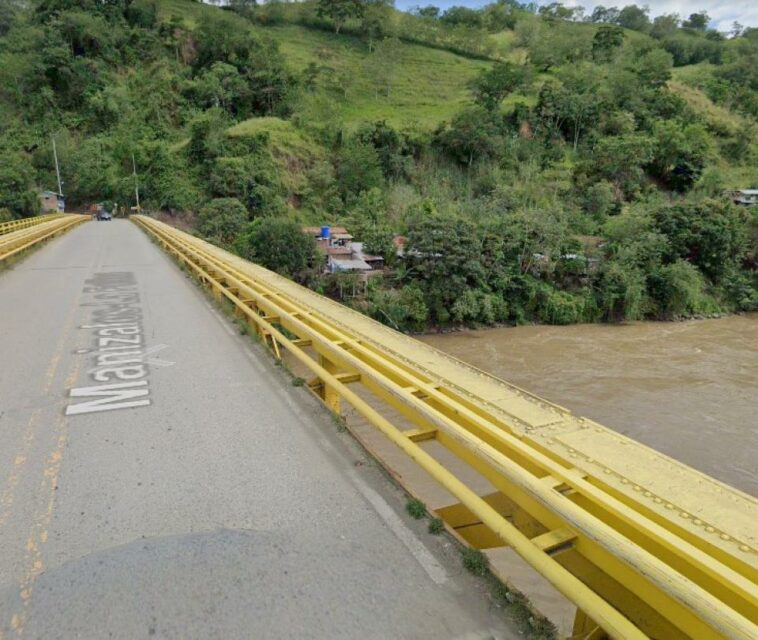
{"x":329,"y":393}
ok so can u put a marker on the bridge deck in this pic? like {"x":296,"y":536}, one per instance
{"x":226,"y":508}
{"x":653,"y":540}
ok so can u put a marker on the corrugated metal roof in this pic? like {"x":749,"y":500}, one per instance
{"x":346,"y":265}
{"x":317,"y":230}
{"x":339,"y":251}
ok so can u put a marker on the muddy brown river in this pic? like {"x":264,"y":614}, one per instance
{"x":688,"y":389}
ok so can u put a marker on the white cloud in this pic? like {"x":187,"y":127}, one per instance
{"x":722,"y":12}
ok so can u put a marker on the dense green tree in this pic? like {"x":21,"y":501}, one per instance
{"x":621,"y":160}
{"x":665,"y":26}
{"x":165,"y":180}
{"x":262,"y":82}
{"x":90,"y":170}
{"x":278,"y":244}
{"x":359,"y":168}
{"x":429,"y":11}
{"x":377,"y":240}
{"x":634,"y":244}
{"x":321,"y":191}
{"x":680,"y":153}
{"x":222,"y":219}
{"x":688,"y":49}
{"x":608,"y":15}
{"x":443,"y":256}
{"x":634,"y":17}
{"x":493,"y":85}
{"x":142,"y":13}
{"x":600,"y":199}
{"x":340,"y":11}
{"x":111,"y":10}
{"x":606,"y":41}
{"x":620,"y":292}
{"x":368,"y":212}
{"x":395,"y":150}
{"x":580,"y":101}
{"x":560,"y":11}
{"x":499,"y":16}
{"x":403,"y":309}
{"x":475,"y":306}
{"x":557,"y":46}
{"x":697,"y":21}
{"x":17,"y":192}
{"x":533,"y":237}
{"x":558,"y":307}
{"x":472,"y":135}
{"x":243,"y":6}
{"x":376,"y":22}
{"x":221,"y":38}
{"x":679,"y":290}
{"x":7,"y":17}
{"x":741,"y":78}
{"x":711,"y":234}
{"x":464,"y":16}
{"x":208,"y":139}
{"x":653,"y":68}
{"x":252,"y":179}
{"x":221,"y":85}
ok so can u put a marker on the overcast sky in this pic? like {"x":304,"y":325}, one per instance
{"x":722,"y":12}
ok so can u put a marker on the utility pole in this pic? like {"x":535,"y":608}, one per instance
{"x":57,"y":168}
{"x":136,"y":183}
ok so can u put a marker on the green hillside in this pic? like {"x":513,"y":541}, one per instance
{"x":418,"y":84}
{"x":499,"y":141}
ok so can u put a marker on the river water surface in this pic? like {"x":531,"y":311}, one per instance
{"x":688,"y":389}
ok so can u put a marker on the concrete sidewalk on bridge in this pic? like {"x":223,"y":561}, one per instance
{"x":209,"y":499}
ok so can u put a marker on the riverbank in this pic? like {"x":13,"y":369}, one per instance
{"x":687,"y":389}
{"x":435,"y":331}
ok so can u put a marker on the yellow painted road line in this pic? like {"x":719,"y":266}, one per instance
{"x":7,"y":495}
{"x":39,"y":530}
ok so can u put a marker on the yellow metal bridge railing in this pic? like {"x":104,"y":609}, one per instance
{"x":643,"y":545}
{"x":17,"y":241}
{"x":24,"y":223}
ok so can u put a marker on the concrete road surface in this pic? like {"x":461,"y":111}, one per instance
{"x":159,"y":476}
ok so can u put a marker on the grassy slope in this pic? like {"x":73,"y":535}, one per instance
{"x":283,"y":136}
{"x":428,"y":85}
{"x":294,"y":151}
{"x":719,"y":120}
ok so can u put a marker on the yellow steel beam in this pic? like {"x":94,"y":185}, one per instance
{"x":17,"y":241}
{"x":23,"y":223}
{"x":615,"y":557}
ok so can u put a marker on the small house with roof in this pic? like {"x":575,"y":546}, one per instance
{"x":52,"y":202}
{"x":745,"y":197}
{"x":342,"y":254}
